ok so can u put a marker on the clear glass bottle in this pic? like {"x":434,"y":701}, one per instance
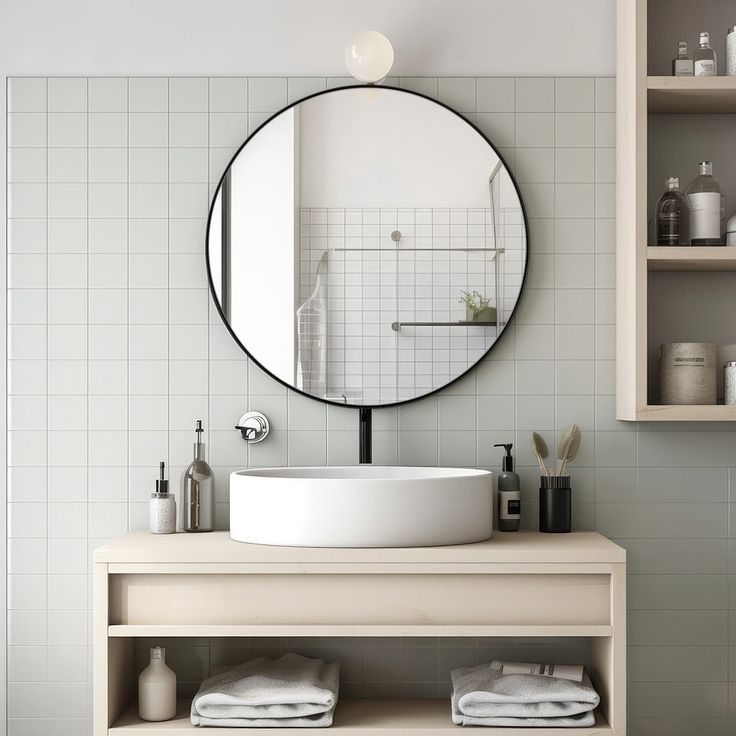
{"x":198,"y":491}
{"x":682,"y":66}
{"x":707,"y":207}
{"x":672,"y":215}
{"x":704,"y":59}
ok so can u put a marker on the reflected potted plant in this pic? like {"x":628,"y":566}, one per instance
{"x":477,"y":307}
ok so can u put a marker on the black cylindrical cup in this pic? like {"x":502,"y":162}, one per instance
{"x":555,"y":504}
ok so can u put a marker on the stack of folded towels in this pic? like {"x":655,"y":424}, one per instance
{"x":289,"y":692}
{"x":484,"y":696}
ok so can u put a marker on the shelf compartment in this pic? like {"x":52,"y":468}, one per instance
{"x":691,"y":258}
{"x":333,"y":630}
{"x":692,"y":95}
{"x":364,"y":717}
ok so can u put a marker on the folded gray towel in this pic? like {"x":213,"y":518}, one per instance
{"x":483,"y":697}
{"x":289,"y":692}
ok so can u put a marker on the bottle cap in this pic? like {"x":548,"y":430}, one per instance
{"x":157,"y":652}
{"x":508,"y":460}
{"x":682,"y":49}
{"x":162,"y":485}
{"x":672,"y":183}
{"x":705,"y":168}
{"x":704,"y":38}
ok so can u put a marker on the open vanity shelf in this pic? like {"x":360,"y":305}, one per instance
{"x":665,"y":126}
{"x":210,"y":586}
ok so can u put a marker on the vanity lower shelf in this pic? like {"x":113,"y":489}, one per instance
{"x":336,"y":630}
{"x":365,"y":717}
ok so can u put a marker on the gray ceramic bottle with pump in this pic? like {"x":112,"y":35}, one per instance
{"x":198,"y":491}
{"x":509,"y":494}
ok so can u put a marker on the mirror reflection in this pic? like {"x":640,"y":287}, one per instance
{"x":367,"y":246}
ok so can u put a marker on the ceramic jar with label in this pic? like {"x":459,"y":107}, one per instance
{"x":687,"y":373}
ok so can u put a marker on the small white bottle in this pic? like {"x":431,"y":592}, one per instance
{"x":704,"y":58}
{"x":162,"y":506}
{"x":731,"y":52}
{"x":157,"y":689}
{"x":731,"y":231}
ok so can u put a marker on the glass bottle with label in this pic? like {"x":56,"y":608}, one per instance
{"x":707,"y":207}
{"x":672,"y":215}
{"x":704,"y":58}
{"x":682,"y":66}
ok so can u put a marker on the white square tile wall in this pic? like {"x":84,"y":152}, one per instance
{"x":115,"y":350}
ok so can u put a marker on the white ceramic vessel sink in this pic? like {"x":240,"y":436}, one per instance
{"x":360,"y":506}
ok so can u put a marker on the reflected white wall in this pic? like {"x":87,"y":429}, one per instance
{"x":263,"y":251}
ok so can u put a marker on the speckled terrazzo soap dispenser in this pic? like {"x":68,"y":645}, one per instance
{"x":162,"y":506}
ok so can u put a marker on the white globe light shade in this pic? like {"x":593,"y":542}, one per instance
{"x":369,"y":57}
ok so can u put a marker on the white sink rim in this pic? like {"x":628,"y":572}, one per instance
{"x":362,"y":472}
{"x":361,"y":506}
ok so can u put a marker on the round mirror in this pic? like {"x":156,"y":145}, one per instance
{"x":367,"y":246}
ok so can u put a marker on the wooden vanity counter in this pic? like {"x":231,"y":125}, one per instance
{"x":520,"y":584}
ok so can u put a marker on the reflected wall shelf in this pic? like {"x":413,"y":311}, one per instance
{"x":396,"y":326}
{"x":639,"y":99}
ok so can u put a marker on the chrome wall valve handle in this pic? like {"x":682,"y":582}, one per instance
{"x":253,"y":427}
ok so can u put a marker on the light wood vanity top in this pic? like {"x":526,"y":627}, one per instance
{"x":504,"y":547}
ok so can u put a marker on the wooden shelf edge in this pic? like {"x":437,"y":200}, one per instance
{"x":686,"y":413}
{"x":687,"y":84}
{"x":691,"y":258}
{"x":360,"y":716}
{"x":691,"y":95}
{"x":333,"y":630}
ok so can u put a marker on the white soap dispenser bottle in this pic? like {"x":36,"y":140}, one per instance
{"x":157,"y":689}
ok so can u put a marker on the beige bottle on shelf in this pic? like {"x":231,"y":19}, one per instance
{"x":157,"y":689}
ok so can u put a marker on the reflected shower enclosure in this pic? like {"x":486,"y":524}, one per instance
{"x":367,"y":246}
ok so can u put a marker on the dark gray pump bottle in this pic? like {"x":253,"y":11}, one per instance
{"x":509,"y":494}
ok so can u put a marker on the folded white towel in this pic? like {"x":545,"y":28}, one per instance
{"x":289,"y":692}
{"x":484,"y":697}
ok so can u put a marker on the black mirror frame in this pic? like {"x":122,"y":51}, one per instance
{"x":329,"y":402}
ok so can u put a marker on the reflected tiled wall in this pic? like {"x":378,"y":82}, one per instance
{"x":357,"y":284}
{"x":115,"y":350}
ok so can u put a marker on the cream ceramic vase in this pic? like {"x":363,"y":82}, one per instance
{"x":157,"y":689}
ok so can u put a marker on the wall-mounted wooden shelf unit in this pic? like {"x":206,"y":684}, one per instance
{"x":665,"y":126}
